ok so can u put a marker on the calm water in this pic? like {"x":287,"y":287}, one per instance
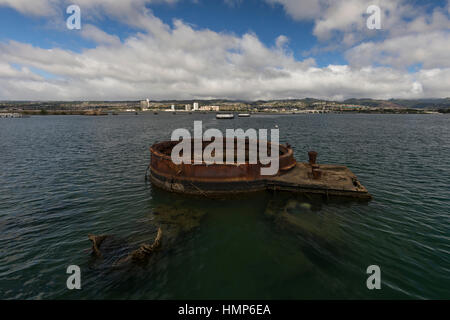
{"x":64,"y":177}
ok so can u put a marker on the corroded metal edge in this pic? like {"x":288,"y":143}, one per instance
{"x":240,"y":187}
{"x":162,"y":165}
{"x":230,"y":179}
{"x":207,"y":188}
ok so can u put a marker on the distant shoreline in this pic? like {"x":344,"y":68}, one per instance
{"x":120,"y":112}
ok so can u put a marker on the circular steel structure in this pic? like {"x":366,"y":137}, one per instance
{"x":214,"y":178}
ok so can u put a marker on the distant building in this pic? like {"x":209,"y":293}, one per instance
{"x":172,"y":107}
{"x":195,"y":106}
{"x":187,"y":107}
{"x":209,"y":108}
{"x":145,"y":104}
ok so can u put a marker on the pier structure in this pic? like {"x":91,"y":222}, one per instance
{"x":11,"y":115}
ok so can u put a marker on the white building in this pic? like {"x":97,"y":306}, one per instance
{"x":195,"y":106}
{"x":209,"y":108}
{"x":188,"y":107}
{"x":172,"y":107}
{"x":145,"y":104}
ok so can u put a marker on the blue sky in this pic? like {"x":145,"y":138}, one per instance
{"x":266,"y":20}
{"x":277,"y":45}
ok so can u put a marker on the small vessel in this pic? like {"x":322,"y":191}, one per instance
{"x":155,"y":112}
{"x":225,"y":116}
{"x":244,"y":115}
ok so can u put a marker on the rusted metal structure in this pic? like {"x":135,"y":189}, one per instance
{"x":222,"y":179}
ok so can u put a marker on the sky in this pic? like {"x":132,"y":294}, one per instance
{"x":224,"y":49}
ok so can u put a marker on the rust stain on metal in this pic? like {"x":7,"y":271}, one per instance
{"x":218,"y":179}
{"x":312,"y":157}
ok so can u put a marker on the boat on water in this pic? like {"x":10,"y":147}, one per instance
{"x":244,"y":115}
{"x":218,"y":179}
{"x":225,"y":116}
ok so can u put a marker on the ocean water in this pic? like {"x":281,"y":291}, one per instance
{"x":64,"y":177}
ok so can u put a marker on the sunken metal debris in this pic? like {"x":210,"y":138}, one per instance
{"x":175,"y":219}
{"x":138,"y":255}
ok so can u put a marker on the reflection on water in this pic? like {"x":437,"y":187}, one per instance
{"x":66,"y":177}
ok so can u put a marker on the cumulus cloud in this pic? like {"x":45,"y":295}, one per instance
{"x":410,"y":33}
{"x":430,"y":50}
{"x":36,"y":7}
{"x":347,"y":18}
{"x":8,"y":72}
{"x":182,"y":62}
{"x":341,"y":16}
{"x":302,"y":10}
{"x":186,"y":63}
{"x":99,"y":36}
{"x":281,"y":41}
{"x":132,"y":12}
{"x":48,"y":7}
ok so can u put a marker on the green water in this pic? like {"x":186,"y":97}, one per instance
{"x":64,"y":177}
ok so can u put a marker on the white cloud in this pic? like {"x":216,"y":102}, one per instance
{"x":99,"y":36}
{"x":182,"y":62}
{"x":35,"y":7}
{"x":49,"y":7}
{"x":302,"y":10}
{"x":8,"y":72}
{"x":281,"y":41}
{"x":340,"y":15}
{"x":410,"y":34}
{"x":348,"y":17}
{"x":131,"y":12}
{"x":430,"y":50}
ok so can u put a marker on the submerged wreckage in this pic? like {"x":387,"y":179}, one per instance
{"x":219,"y":179}
{"x":138,"y":255}
{"x":223,"y":179}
